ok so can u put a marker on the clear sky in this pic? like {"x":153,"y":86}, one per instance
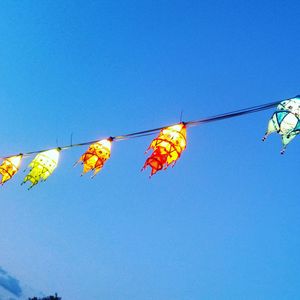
{"x":224,"y":223}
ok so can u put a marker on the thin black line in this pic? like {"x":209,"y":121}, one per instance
{"x":233,"y":114}
{"x":148,"y":132}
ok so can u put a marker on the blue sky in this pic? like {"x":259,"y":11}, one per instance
{"x":224,"y":222}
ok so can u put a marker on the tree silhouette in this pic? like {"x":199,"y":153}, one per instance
{"x":55,"y":297}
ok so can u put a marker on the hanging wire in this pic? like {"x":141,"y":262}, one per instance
{"x":138,"y":134}
{"x":233,"y":114}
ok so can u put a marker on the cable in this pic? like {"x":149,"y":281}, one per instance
{"x":233,"y":114}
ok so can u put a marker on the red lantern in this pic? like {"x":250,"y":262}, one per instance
{"x":167,"y":148}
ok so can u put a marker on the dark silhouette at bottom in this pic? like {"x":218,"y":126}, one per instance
{"x":55,"y":297}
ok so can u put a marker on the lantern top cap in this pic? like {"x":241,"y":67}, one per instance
{"x":176,"y":127}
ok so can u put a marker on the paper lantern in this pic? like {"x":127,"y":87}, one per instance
{"x":285,"y":121}
{"x":10,"y":167}
{"x":42,"y":166}
{"x":167,"y":148}
{"x":96,"y":156}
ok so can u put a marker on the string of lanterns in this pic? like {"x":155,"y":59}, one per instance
{"x":166,"y":148}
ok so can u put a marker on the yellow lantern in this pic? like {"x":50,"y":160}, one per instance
{"x":42,"y":166}
{"x":10,"y":167}
{"x":167,"y":148}
{"x":96,"y":156}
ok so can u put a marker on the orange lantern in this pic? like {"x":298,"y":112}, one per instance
{"x":96,"y":156}
{"x":10,"y":167}
{"x":167,"y":148}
